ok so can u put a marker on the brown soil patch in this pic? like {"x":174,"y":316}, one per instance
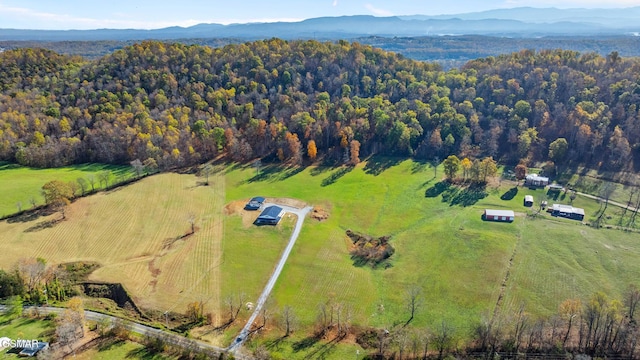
{"x":237,"y":208}
{"x":289,"y":202}
{"x":319,"y":213}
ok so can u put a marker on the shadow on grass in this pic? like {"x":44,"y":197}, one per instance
{"x":510,"y":194}
{"x":323,"y":350}
{"x":8,"y":166}
{"x":142,"y":353}
{"x":377,"y":165}
{"x":305,"y":343}
{"x":274,"y":173}
{"x":336,"y":175}
{"x":553,"y":194}
{"x":437,"y":189}
{"x":321,"y":169}
{"x":455,"y":195}
{"x":469,"y":196}
{"x":418,"y":166}
{"x":108,"y":343}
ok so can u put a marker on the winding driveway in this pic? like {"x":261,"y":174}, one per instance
{"x":301,"y":214}
{"x":180,"y":340}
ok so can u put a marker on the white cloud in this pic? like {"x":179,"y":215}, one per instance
{"x":379,"y":12}
{"x":335,"y":3}
{"x":51,"y":21}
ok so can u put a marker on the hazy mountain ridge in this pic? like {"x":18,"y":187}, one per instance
{"x":516,"y":22}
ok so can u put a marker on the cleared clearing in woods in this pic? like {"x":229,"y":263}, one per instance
{"x":137,"y":233}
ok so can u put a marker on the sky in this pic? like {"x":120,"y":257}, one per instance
{"x":154,"y":14}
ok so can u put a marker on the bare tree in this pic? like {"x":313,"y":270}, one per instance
{"x":443,"y":338}
{"x":604,"y":193}
{"x":632,"y":299}
{"x":569,"y":309}
{"x":206,"y":171}
{"x":289,"y":320}
{"x":104,"y":177}
{"x":83,"y":185}
{"x":401,"y":340}
{"x":92,"y":180}
{"x":32,"y":201}
{"x":19,"y":206}
{"x":520,"y":326}
{"x":138,"y":167}
{"x":413,"y":300}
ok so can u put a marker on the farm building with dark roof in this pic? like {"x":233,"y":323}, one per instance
{"x":270,"y":215}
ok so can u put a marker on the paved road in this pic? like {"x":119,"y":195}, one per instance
{"x":301,"y":213}
{"x":142,"y":330}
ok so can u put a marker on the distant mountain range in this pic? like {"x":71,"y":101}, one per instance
{"x":523,"y":22}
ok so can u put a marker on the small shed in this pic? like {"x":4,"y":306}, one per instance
{"x":499,"y":215}
{"x":534,"y":180}
{"x":270,"y":215}
{"x":528,"y":200}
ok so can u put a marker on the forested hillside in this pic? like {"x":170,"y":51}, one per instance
{"x":175,"y":105}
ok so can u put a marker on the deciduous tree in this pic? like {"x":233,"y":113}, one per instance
{"x":451,"y":166}
{"x":58,"y":195}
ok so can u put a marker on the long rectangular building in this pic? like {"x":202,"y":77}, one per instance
{"x":499,"y":215}
{"x":567,"y":211}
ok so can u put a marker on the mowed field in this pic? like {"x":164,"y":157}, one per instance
{"x":458,"y":260}
{"x":136,"y":233}
{"x":20,"y":184}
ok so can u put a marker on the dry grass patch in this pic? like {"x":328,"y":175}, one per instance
{"x":137,"y":233}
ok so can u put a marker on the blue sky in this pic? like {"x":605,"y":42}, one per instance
{"x":150,"y":14}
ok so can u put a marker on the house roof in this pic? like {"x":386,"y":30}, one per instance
{"x":258,"y":199}
{"x":567,"y":209}
{"x":271,"y":213}
{"x":509,"y":213}
{"x":536,"y":177}
{"x":528,"y":198}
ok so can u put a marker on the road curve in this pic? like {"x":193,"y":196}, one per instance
{"x":301,"y":214}
{"x":140,"y":329}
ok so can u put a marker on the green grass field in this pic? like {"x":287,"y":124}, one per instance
{"x":457,"y":259}
{"x":443,"y":247}
{"x":22,"y":184}
{"x":26,"y":328}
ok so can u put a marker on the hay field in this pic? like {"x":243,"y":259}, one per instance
{"x":136,"y":233}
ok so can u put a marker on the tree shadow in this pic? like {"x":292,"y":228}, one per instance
{"x":553,"y":194}
{"x":30,"y":215}
{"x":336,"y":175}
{"x":324,"y":350}
{"x":469,"y":196}
{"x":418,"y":166}
{"x":510,"y":194}
{"x":320,"y":170}
{"x":437,"y":189}
{"x":305,"y":343}
{"x":377,"y":165}
{"x":43,"y":225}
{"x":455,"y":195}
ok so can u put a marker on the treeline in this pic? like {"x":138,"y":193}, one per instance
{"x":182,"y":104}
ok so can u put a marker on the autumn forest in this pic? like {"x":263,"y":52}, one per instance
{"x":172,"y":105}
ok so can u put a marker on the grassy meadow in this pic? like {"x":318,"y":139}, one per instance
{"x":22,"y":184}
{"x":442,"y":246}
{"x":137,"y":233}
